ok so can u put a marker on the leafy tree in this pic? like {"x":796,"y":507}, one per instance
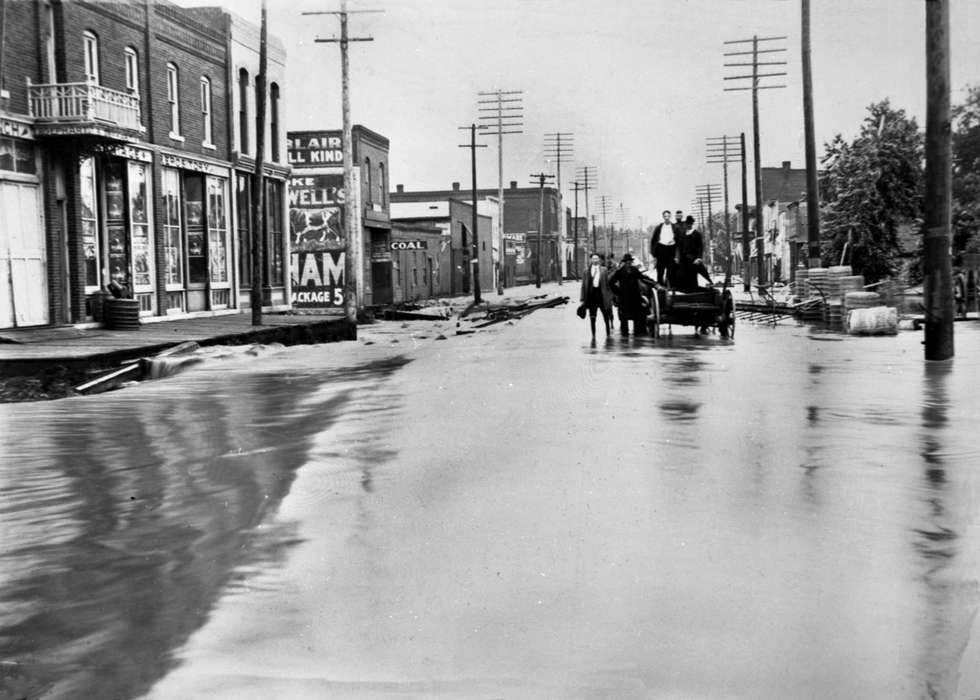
{"x":872,"y":189}
{"x":966,"y":173}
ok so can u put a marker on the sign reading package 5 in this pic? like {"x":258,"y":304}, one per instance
{"x":318,"y":279}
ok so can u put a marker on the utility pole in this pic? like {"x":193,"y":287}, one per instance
{"x":505,"y":111}
{"x":587,"y":176}
{"x":352,"y":254}
{"x":755,"y":87}
{"x":812,"y":186}
{"x":937,"y":269}
{"x":604,"y":208}
{"x":540,"y":177}
{"x":721,"y":149}
{"x":577,"y":188}
{"x":475,"y":258}
{"x":258,"y":184}
{"x":708,"y":194}
{"x":746,"y":252}
{"x":556,"y":147}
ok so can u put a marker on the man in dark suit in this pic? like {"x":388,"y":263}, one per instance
{"x":596,"y":294}
{"x":628,"y":286}
{"x":663,"y":248}
{"x":690,"y":247}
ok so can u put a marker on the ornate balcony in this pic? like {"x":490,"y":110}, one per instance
{"x":84,"y":109}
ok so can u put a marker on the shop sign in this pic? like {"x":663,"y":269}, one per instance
{"x":313,"y":191}
{"x":8,"y":127}
{"x":132,"y":153}
{"x":315,"y":149}
{"x":169,"y":160}
{"x":409,"y":245}
{"x":513,"y":237}
{"x":318,"y":279}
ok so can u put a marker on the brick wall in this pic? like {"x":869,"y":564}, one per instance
{"x":21,"y":59}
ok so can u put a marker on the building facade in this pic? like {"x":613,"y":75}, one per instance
{"x":126,"y":110}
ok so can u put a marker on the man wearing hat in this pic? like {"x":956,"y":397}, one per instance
{"x":663,"y":248}
{"x":690,"y":247}
{"x":596,"y":294}
{"x":626,"y":284}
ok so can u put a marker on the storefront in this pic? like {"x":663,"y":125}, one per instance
{"x":197,"y":252}
{"x":23,"y":252}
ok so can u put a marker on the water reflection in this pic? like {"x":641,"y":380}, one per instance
{"x":950,"y":596}
{"x":126,"y":515}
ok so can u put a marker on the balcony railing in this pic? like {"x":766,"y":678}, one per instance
{"x":67,"y":103}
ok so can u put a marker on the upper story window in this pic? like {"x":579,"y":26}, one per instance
{"x":91,"y":47}
{"x":132,"y":70}
{"x":274,"y":120}
{"x":382,"y":186}
{"x":206,"y":110}
{"x":369,"y":180}
{"x":173,"y":99}
{"x":243,"y":110}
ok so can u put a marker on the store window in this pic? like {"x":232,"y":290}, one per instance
{"x":91,"y":49}
{"x":172,"y":240}
{"x":115,"y":218}
{"x":173,"y":99}
{"x":139,"y":218}
{"x":243,"y":203}
{"x":273,"y":224}
{"x":132,"y":70}
{"x":206,"y":111}
{"x":217,"y":231}
{"x":90,"y":229}
{"x":243,"y":110}
{"x":17,"y":156}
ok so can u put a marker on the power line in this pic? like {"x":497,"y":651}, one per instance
{"x":540,"y":177}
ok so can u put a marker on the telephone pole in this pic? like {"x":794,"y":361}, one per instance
{"x":937,"y":269}
{"x":708,"y":194}
{"x":540,"y":177}
{"x":475,"y":257}
{"x":576,"y":187}
{"x":258,"y":185}
{"x":505,"y":110}
{"x":559,"y":145}
{"x":755,"y":76}
{"x":812,"y":185}
{"x":353,"y":277}
{"x":722,"y":149}
{"x":587,"y":176}
{"x":605,"y":206}
{"x":746,"y":251}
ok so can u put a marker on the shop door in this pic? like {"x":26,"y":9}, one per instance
{"x":196,"y":243}
{"x":381,"y":283}
{"x":24,"y":292}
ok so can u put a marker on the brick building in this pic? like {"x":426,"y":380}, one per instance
{"x":518,"y":238}
{"x":126,"y":107}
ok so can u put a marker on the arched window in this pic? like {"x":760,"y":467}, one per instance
{"x":368,"y":181}
{"x":274,"y":120}
{"x":91,"y":48}
{"x":132,"y":70}
{"x":382,"y":185}
{"x":173,"y":98}
{"x":243,"y":110}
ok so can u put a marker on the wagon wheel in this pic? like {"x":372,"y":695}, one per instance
{"x":653,"y":320}
{"x":726,"y":324}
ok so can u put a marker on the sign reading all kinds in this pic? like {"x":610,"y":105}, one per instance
{"x":315,"y":149}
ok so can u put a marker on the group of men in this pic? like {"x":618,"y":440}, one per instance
{"x":677,"y":248}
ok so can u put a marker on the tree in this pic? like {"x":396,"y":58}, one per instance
{"x":872,"y":189}
{"x":966,"y":173}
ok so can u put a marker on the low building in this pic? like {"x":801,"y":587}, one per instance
{"x":421,"y":264}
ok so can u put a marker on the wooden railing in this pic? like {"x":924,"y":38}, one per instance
{"x":83,"y":102}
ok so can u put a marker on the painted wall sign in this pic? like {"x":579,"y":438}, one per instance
{"x":8,"y":127}
{"x":315,"y":149}
{"x":317,"y":241}
{"x":133,"y":153}
{"x":318,"y":279}
{"x":409,"y":245}
{"x":168,"y":160}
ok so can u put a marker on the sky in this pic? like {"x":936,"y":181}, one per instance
{"x":639,"y":83}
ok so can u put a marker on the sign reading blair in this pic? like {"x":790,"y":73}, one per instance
{"x":315,"y":149}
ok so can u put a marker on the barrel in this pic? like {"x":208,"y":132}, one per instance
{"x":122,"y":314}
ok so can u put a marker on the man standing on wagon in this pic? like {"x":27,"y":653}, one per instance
{"x":663,"y":248}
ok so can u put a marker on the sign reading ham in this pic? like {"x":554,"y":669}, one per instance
{"x":317,"y":242}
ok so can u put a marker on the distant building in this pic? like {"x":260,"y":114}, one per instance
{"x":515,"y":253}
{"x":784,"y":208}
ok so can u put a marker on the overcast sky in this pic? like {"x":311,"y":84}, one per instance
{"x":639,"y":82}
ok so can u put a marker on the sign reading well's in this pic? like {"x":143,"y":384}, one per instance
{"x":316,"y":230}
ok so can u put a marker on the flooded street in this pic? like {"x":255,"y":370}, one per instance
{"x":516,"y":513}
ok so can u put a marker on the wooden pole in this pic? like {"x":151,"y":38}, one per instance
{"x":258,"y":182}
{"x":760,"y":241}
{"x":812,"y":186}
{"x":937,"y":269}
{"x":476,"y":234}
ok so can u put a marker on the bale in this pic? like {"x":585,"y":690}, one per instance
{"x":876,"y":320}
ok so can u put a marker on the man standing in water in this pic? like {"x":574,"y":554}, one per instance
{"x":596,"y":293}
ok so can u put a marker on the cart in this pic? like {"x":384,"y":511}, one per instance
{"x":704,"y":309}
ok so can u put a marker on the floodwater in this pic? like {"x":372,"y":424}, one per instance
{"x":513,"y":514}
